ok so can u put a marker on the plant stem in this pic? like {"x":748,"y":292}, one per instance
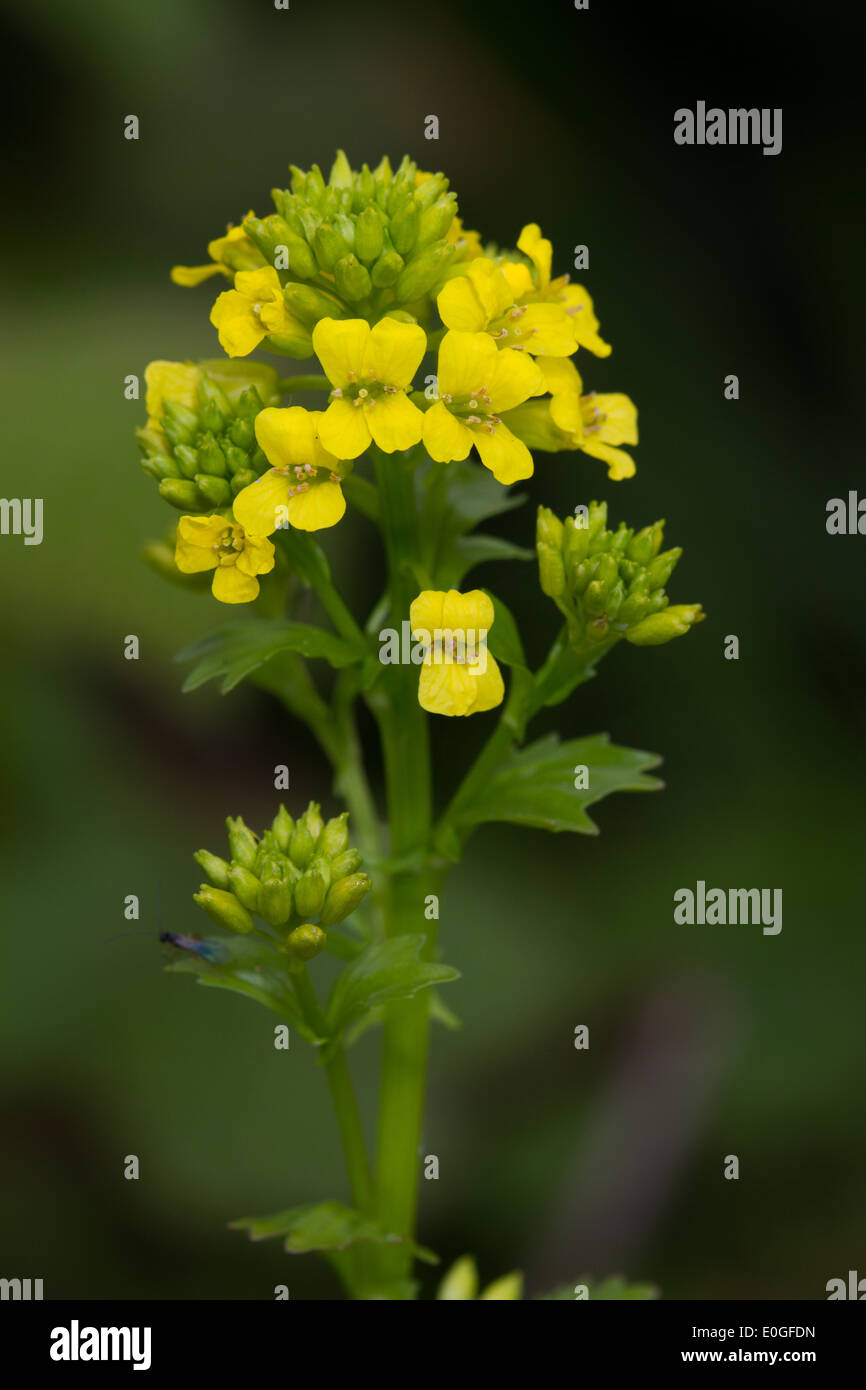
{"x":343,"y":1096}
{"x":405,"y":742}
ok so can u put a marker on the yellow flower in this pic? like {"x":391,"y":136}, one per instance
{"x":215,"y":543}
{"x":253,"y":309}
{"x":483,"y":301}
{"x":572,"y":300}
{"x":303,"y":486}
{"x":477,"y":381}
{"x":170,"y":381}
{"x":458,"y":676}
{"x":228,"y":253}
{"x":595,"y":423}
{"x":370,"y":369}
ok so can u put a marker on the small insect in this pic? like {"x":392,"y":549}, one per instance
{"x":211,"y":951}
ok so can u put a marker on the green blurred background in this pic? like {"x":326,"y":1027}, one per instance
{"x":705,"y":1041}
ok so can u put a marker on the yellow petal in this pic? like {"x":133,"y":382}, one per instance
{"x":538,"y":249}
{"x":446,"y":688}
{"x":620,"y":465}
{"x":619,"y":415}
{"x":196,"y":538}
{"x":512,"y":378}
{"x":519,"y":278}
{"x":261,"y":507}
{"x":394,"y":421}
{"x":563,"y":381}
{"x":459,"y":306}
{"x":343,"y":428}
{"x":220,"y":244}
{"x":189,"y":275}
{"x":425,"y":612}
{"x":171,"y":381}
{"x":238,"y":328}
{"x":547,"y":330}
{"x":445,"y":437}
{"x":257,"y":285}
{"x":472,"y":612}
{"x":465,"y":361}
{"x":394,"y":351}
{"x":489,"y":686}
{"x":584,"y":321}
{"x":491,"y":287}
{"x":339,"y":345}
{"x":257,"y":556}
{"x":504,"y":454}
{"x":231,"y":585}
{"x":321,"y":505}
{"x":287,"y":436}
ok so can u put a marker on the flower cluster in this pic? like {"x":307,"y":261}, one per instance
{"x":298,"y":877}
{"x":610,"y":584}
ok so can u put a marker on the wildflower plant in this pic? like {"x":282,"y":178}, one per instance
{"x":441,"y":366}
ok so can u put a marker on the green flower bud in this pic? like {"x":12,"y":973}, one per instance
{"x":615,"y":596}
{"x":595,"y":599}
{"x":549,"y":534}
{"x":237,"y":460}
{"x":600,"y":541}
{"x":596,"y":517}
{"x":421,"y":274}
{"x":243,"y":435}
{"x":312,"y":889}
{"x":662,"y":567}
{"x":369,"y":238}
{"x":211,"y":457}
{"x":575,"y":543}
{"x":312,"y":819}
{"x":159,"y":466}
{"x":179,"y":423}
{"x":245,"y":886}
{"x":275,"y":902}
{"x":387,"y":269}
{"x":306,"y":942}
{"x":342,"y":175}
{"x":604,"y":568}
{"x":352,"y":279}
{"x":621,"y":538}
{"x":309,"y":305}
{"x":187,"y":458}
{"x":343,"y":897}
{"x":302,"y":845}
{"x":404,"y":227}
{"x":346,"y":863}
{"x":224,"y":909}
{"x":658,"y":628}
{"x":215,"y":408}
{"x":297,"y":345}
{"x":242,"y":842}
{"x":181,"y":493}
{"x":641,"y":549}
{"x":215,"y":491}
{"x":216,"y":869}
{"x":334,"y":838}
{"x":329,"y":246}
{"x":632,"y":609}
{"x":597,"y":631}
{"x":436,"y":220}
{"x":282,"y":826}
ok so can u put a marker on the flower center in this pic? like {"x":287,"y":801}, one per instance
{"x":363,"y":390}
{"x":473,"y":410}
{"x":229,"y":545}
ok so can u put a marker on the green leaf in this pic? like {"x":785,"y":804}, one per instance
{"x":253,"y":970}
{"x":503,"y":639}
{"x":465,"y":552}
{"x":234,"y":652}
{"x":324,"y":1226}
{"x":613,"y":1289}
{"x":536,"y":785}
{"x":386,"y":970}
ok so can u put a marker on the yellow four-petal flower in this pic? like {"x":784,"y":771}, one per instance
{"x":253,"y":309}
{"x":303,"y":486}
{"x":458,"y":676}
{"x":215,"y":543}
{"x":370,"y":369}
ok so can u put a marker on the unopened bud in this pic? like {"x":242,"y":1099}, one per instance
{"x":352,"y":279}
{"x":346,"y":863}
{"x":245,"y":886}
{"x":302,"y":845}
{"x":343,"y":897}
{"x":312,"y":889}
{"x":224,"y":909}
{"x":662,"y":627}
{"x":282,"y":826}
{"x":216,"y":869}
{"x":335,"y":837}
{"x":242,"y":842}
{"x":275,"y":902}
{"x":306,"y":942}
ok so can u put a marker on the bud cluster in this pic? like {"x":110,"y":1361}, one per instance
{"x":373,"y":241}
{"x":203,"y":456}
{"x":297,"y":871}
{"x":610,"y":584}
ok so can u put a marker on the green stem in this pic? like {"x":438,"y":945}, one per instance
{"x":303,"y":383}
{"x":405,"y":742}
{"x":343,"y":1096}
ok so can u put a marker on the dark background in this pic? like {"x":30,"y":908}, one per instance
{"x":705,"y":1041}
